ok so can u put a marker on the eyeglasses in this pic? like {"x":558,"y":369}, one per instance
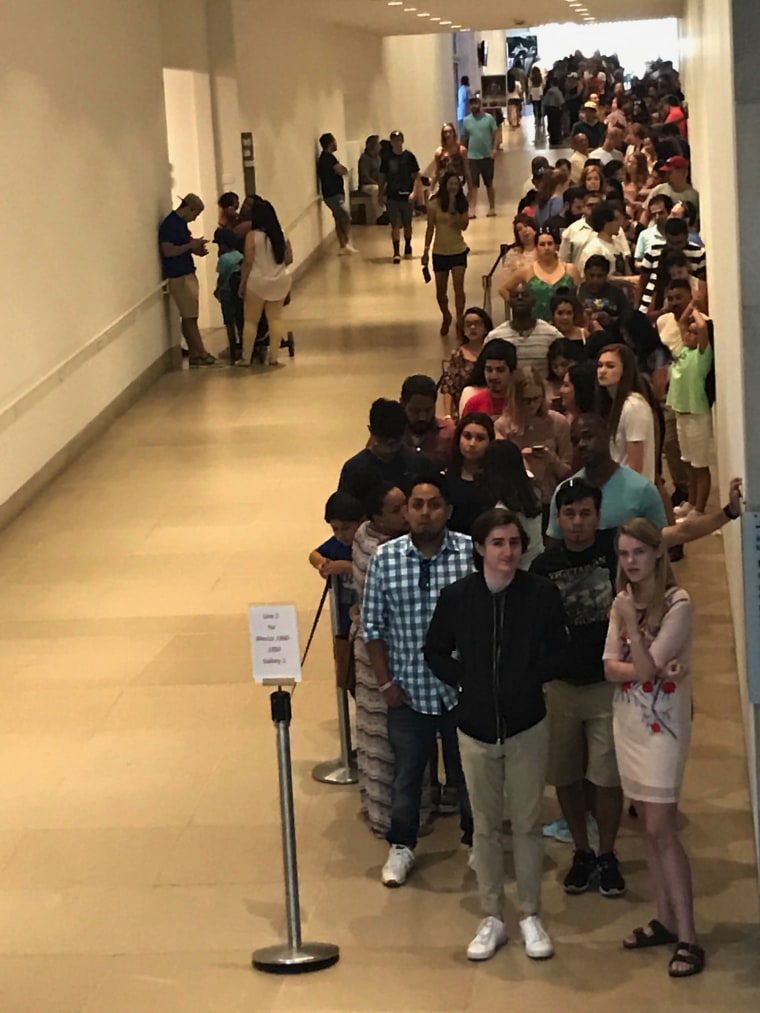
{"x":424,"y":582}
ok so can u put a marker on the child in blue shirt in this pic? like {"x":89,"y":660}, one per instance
{"x":228,"y":264}
{"x":334,"y":558}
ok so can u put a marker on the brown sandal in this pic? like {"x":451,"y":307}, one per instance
{"x":659,"y":936}
{"x":690,"y":954}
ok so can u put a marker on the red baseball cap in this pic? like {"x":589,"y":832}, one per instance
{"x":676,"y":162}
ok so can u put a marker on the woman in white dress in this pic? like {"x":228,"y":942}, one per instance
{"x":265,"y":277}
{"x":648,"y":656}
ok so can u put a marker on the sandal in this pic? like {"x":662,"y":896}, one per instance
{"x":690,"y":954}
{"x":659,"y":936}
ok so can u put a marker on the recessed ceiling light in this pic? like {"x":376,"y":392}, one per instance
{"x":445,"y":22}
{"x":435,"y":19}
{"x":395,"y":3}
{"x":424,"y":14}
{"x":408,"y":9}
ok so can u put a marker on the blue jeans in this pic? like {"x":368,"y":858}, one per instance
{"x":411,"y":736}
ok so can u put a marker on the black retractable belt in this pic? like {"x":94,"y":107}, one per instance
{"x":320,"y":607}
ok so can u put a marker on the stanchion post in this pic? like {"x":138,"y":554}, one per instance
{"x":343,"y":770}
{"x":296,"y":957}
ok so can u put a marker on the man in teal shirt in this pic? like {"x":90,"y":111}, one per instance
{"x":480,"y":135}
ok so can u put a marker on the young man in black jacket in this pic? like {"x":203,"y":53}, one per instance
{"x":508,"y":630}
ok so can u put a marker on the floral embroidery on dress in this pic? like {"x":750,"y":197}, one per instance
{"x":655,"y":699}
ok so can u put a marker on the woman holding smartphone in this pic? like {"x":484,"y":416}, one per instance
{"x":648,"y":657}
{"x":541,"y":435}
{"x":447,"y":218}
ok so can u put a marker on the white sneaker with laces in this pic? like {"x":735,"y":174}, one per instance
{"x":490,"y":936}
{"x":398,"y":865}
{"x":538,"y":945}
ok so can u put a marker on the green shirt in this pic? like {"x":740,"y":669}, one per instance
{"x":479,"y":131}
{"x":687,"y":381}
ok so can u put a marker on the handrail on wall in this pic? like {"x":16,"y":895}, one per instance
{"x":10,"y":413}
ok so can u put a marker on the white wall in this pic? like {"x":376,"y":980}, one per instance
{"x":84,"y":175}
{"x":709,"y":62}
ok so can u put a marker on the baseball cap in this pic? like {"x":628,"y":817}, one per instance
{"x":590,"y":105}
{"x":192,"y":200}
{"x":676,"y":162}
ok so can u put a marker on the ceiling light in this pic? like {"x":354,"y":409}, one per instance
{"x":435,"y":19}
{"x":445,"y":22}
{"x":424,"y":14}
{"x":408,"y":9}
{"x":456,"y":26}
{"x":395,"y":3}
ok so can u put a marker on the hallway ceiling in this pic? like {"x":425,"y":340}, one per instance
{"x":379,"y":17}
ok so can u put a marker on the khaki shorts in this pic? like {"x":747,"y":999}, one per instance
{"x":184,"y":292}
{"x":695,"y":438}
{"x":581,"y":743}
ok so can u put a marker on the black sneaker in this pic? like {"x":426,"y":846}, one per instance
{"x":611,"y":883}
{"x":408,"y":250}
{"x":582,"y":872}
{"x":396,"y":258}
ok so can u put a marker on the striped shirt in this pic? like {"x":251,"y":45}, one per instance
{"x":400,"y":595}
{"x":531,"y":346}
{"x":650,"y":263}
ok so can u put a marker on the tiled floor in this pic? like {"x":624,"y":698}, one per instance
{"x":139,"y":837}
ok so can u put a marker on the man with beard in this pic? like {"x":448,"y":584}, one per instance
{"x":425,"y":433}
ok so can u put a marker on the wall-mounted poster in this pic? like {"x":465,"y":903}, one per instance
{"x":494,"y":89}
{"x":524,"y":46}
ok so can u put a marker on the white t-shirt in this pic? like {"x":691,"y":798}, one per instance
{"x":636,"y":426}
{"x":612,"y":250}
{"x":268,"y":279}
{"x":605,"y":157}
{"x":670,"y":333}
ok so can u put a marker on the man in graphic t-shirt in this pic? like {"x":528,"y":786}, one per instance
{"x":331,"y":174}
{"x":581,"y":744}
{"x":399,"y":178}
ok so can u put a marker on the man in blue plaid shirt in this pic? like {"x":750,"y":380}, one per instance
{"x":404,"y":579}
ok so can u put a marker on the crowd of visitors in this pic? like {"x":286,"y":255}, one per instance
{"x":515,"y":598}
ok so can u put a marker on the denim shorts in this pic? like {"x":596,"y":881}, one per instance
{"x":337,"y":204}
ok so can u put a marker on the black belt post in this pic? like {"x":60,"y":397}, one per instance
{"x":295,"y":957}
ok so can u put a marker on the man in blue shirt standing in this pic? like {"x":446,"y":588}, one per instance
{"x":480,"y":135}
{"x":404,"y":579}
{"x":464,"y":94}
{"x":177,"y":248}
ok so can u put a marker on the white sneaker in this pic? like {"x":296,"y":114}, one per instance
{"x":398,"y":865}
{"x":350,"y":248}
{"x":471,"y":860}
{"x":343,"y":251}
{"x":490,"y":936}
{"x":682,"y":511}
{"x":538,"y":945}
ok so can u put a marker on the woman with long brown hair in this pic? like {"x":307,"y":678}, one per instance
{"x":648,"y":657}
{"x":541,"y":434}
{"x":451,"y":155}
{"x":447,"y":219}
{"x":622,"y":399}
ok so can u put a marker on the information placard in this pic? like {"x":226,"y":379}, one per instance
{"x":274,"y":644}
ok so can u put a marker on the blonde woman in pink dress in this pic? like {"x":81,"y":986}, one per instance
{"x":648,"y":657}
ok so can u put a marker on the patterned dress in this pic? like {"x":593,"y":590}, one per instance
{"x":652,"y":720}
{"x":455,"y":376}
{"x":374,"y":755}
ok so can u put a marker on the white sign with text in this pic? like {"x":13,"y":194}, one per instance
{"x":274,"y":643}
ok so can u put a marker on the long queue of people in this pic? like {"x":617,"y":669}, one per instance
{"x":508,"y":534}
{"x":561,"y":658}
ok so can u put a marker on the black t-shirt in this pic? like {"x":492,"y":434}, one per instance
{"x":609,"y":299}
{"x":466,"y":502}
{"x":586,"y":583}
{"x":399,"y":172}
{"x":330,"y":180}
{"x":364,"y":470}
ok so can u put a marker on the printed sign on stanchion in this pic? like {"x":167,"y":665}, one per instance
{"x":276,"y":661}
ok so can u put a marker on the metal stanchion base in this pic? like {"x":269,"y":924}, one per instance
{"x":285,"y":959}
{"x":335,"y":772}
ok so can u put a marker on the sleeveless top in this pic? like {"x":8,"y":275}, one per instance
{"x":543,"y":293}
{"x":448,"y":232}
{"x":268,"y":279}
